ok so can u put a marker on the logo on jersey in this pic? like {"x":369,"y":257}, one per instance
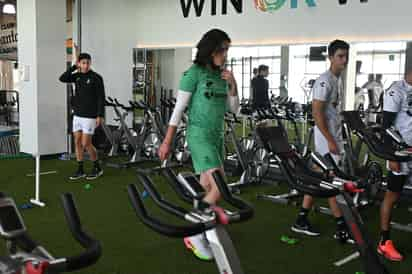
{"x":274,"y":5}
{"x":88,"y":81}
{"x":322,"y":84}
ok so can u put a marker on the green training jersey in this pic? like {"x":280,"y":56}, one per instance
{"x":208,"y":102}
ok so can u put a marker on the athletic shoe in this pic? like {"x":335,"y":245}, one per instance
{"x":343,"y":236}
{"x":96,"y":173}
{"x":388,"y":250}
{"x":199,"y":246}
{"x":306,"y":229}
{"x":78,"y":175}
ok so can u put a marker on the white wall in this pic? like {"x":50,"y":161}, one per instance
{"x":183,"y":60}
{"x":41,"y":55}
{"x":112,"y":28}
{"x":109,"y":34}
{"x":161,"y":23}
{"x":172,"y":63}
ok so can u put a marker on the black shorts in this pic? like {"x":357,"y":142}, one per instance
{"x":396,"y":182}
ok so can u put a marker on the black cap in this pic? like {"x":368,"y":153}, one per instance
{"x":84,"y":55}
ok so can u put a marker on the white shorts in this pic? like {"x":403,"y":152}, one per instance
{"x":86,"y":125}
{"x":322,"y":147}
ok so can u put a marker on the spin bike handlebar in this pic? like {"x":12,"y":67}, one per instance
{"x":136,"y":105}
{"x":142,"y":105}
{"x":170,"y":230}
{"x":268,"y":113}
{"x":172,"y":102}
{"x":93,"y":250}
{"x":166,"y":103}
{"x":158,"y":199}
{"x":231,"y":117}
{"x":158,"y":225}
{"x":245,"y":210}
{"x":115,"y":103}
{"x":109,"y":103}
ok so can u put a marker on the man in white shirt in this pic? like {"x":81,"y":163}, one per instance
{"x":326,"y":108}
{"x":397,"y":112}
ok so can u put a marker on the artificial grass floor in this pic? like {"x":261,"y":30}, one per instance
{"x":131,"y":248}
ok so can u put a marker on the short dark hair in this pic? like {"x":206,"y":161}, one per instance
{"x":84,"y":55}
{"x":212,"y":41}
{"x":263,"y":68}
{"x":334,"y":46}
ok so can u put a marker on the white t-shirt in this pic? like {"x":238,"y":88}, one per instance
{"x":329,"y":89}
{"x":398,"y":98}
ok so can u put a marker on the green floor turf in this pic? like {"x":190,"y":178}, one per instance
{"x":131,"y":248}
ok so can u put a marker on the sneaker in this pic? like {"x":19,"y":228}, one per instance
{"x":78,"y":175}
{"x":306,"y":229}
{"x":389,"y":251}
{"x":96,"y":173}
{"x":199,"y":246}
{"x":343,"y":236}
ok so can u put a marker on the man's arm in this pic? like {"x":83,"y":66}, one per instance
{"x":100,"y":97}
{"x":391,"y":107}
{"x":251,"y":92}
{"x":232,"y":101}
{"x":318,"y":112}
{"x":68,"y":76}
{"x":267,"y":90}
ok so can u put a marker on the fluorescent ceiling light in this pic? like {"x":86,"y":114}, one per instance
{"x":9,"y":9}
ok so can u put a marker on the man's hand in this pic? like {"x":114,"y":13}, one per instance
{"x":228,"y":76}
{"x":164,"y":151}
{"x":99,"y":121}
{"x":333,"y":147}
{"x":74,"y":67}
{"x":394,"y":166}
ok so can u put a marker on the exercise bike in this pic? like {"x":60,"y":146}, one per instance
{"x":180,"y":147}
{"x":203,"y":219}
{"x":28,"y":257}
{"x":316,"y":184}
{"x":250,"y":157}
{"x":116,"y":142}
{"x":396,"y":150}
{"x":124,"y":138}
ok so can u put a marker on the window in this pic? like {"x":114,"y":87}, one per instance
{"x":386,"y":58}
{"x":301,"y":70}
{"x":242,"y":61}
